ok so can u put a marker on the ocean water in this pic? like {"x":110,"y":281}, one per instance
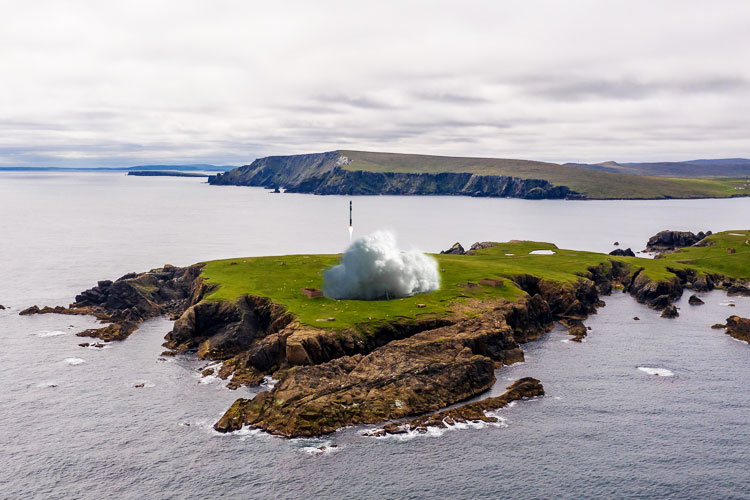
{"x":654,"y":408}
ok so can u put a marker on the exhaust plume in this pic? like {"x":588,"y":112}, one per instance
{"x":373,"y":268}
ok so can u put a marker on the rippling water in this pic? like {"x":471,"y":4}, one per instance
{"x":75,"y":426}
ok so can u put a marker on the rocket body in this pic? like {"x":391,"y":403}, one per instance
{"x":351,"y":228}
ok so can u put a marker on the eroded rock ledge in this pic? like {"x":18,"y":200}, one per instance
{"x":738,"y":328}
{"x":526,"y":387}
{"x":132,"y":299}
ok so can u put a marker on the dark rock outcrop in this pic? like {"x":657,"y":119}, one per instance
{"x":2,"y":307}
{"x":694,"y":300}
{"x":456,"y":249}
{"x":738,"y":288}
{"x":738,"y":328}
{"x":479,"y":245}
{"x":221,"y":329}
{"x":665,"y":241}
{"x":132,"y":299}
{"x":526,"y":387}
{"x":619,"y":252}
{"x":422,"y":373}
{"x":576,"y":329}
{"x":30,"y":310}
{"x":322,"y":173}
{"x":670,"y":312}
{"x":655,"y":294}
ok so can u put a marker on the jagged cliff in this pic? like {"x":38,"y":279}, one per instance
{"x":379,"y":369}
{"x":325,"y":173}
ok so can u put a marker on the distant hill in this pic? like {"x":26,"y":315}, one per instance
{"x":362,"y":172}
{"x":728,"y":167}
{"x":166,"y":173}
{"x":199,"y":167}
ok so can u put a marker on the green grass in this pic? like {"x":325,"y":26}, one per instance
{"x":591,"y":183}
{"x":714,"y":258}
{"x":281,"y":278}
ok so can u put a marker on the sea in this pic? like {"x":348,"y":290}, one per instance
{"x":655,"y":408}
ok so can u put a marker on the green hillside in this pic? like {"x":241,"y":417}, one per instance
{"x":591,"y":183}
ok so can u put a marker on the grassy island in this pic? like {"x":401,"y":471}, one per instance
{"x":280,"y":278}
{"x":350,"y":362}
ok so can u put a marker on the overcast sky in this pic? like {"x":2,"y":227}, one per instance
{"x":122,"y":83}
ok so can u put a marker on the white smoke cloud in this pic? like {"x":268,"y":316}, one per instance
{"x":374,"y":268}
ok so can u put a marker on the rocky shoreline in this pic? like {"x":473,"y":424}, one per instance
{"x":376,"y":373}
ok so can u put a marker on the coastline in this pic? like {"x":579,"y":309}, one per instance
{"x":327,"y":375}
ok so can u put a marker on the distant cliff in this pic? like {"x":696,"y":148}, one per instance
{"x":326,"y":173}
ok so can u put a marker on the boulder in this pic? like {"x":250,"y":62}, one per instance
{"x":479,"y":245}
{"x":2,"y":307}
{"x":619,"y":252}
{"x":576,"y":329}
{"x":739,"y":328}
{"x":670,"y":312}
{"x":694,"y":300}
{"x":29,"y":311}
{"x":665,"y":241}
{"x":109,"y":333}
{"x":703,"y":283}
{"x":456,"y":249}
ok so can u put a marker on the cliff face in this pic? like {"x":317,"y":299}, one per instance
{"x":322,"y":173}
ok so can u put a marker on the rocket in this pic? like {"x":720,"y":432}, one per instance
{"x":351,"y":228}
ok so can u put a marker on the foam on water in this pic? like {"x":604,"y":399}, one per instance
{"x":244,"y":433}
{"x":42,"y":385}
{"x":313,"y":446}
{"x":434,"y":431}
{"x":213,"y":377}
{"x":94,"y":347}
{"x":50,"y":333}
{"x":74,"y":361}
{"x":661,"y":372}
{"x":268,"y":382}
{"x":208,"y":379}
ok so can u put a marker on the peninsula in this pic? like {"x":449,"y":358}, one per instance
{"x":347,"y":362}
{"x":371,"y":173}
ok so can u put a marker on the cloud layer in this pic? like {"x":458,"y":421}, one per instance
{"x":103,"y":83}
{"x":373,"y":268}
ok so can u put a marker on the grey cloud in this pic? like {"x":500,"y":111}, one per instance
{"x":495,"y":80}
{"x":450,"y":98}
{"x":576,"y":89}
{"x":355,"y":101}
